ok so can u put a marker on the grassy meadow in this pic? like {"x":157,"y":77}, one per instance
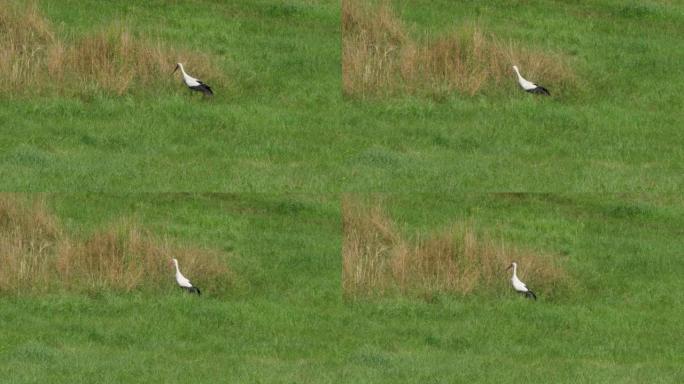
{"x":614,"y":129}
{"x":113,"y":167}
{"x":284,"y":318}
{"x":278,"y":122}
{"x":275,"y":71}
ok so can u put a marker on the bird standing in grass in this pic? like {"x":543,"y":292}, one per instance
{"x":529,"y":86}
{"x":192,"y":83}
{"x":182,"y":281}
{"x":519,"y":285}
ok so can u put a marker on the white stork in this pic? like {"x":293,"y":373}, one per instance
{"x":183,"y":281}
{"x":519,"y":285}
{"x":529,"y":86}
{"x":192,"y":83}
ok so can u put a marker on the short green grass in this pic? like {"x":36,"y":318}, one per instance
{"x":286,"y":321}
{"x":283,"y":142}
{"x":267,"y":130}
{"x":601,"y":136}
{"x":281,"y":124}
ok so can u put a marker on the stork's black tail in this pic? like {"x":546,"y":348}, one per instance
{"x":530,"y":295}
{"x":203,"y":88}
{"x":540,"y":91}
{"x":192,"y":290}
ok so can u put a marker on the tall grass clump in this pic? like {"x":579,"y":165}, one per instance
{"x":380,"y":58}
{"x":38,"y":256}
{"x":378,"y":260}
{"x":35,"y":59}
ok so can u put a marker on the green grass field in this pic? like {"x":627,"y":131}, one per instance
{"x":286,"y":321}
{"x":280,"y":124}
{"x":258,"y":172}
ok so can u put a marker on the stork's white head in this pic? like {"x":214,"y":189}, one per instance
{"x":173,"y":262}
{"x":515,"y":68}
{"x":178,"y":65}
{"x":513,"y":265}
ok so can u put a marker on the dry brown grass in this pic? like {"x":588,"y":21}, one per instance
{"x":38,"y":256}
{"x":379,"y":58}
{"x":34,"y":59}
{"x":378,"y":260}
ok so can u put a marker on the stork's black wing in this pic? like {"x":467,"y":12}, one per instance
{"x":540,"y":91}
{"x":203,"y":88}
{"x":192,"y":290}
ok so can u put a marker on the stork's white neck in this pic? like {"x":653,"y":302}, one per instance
{"x":175,"y":262}
{"x":517,"y":72}
{"x":182,"y":69}
{"x":515,"y":272}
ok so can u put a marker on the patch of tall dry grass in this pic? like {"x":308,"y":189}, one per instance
{"x":34,"y":59}
{"x":379,"y":58}
{"x":38,"y":256}
{"x":379,"y":260}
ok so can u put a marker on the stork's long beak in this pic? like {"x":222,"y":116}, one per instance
{"x":509,"y":267}
{"x":175,"y":69}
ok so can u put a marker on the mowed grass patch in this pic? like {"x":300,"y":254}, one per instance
{"x":381,"y":57}
{"x":379,"y":260}
{"x":39,"y":256}
{"x":35,"y":57}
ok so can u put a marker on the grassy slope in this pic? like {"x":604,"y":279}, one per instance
{"x":266,"y":131}
{"x":279,"y":129}
{"x":281,"y":124}
{"x":286,"y":322}
{"x":619,"y":133}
